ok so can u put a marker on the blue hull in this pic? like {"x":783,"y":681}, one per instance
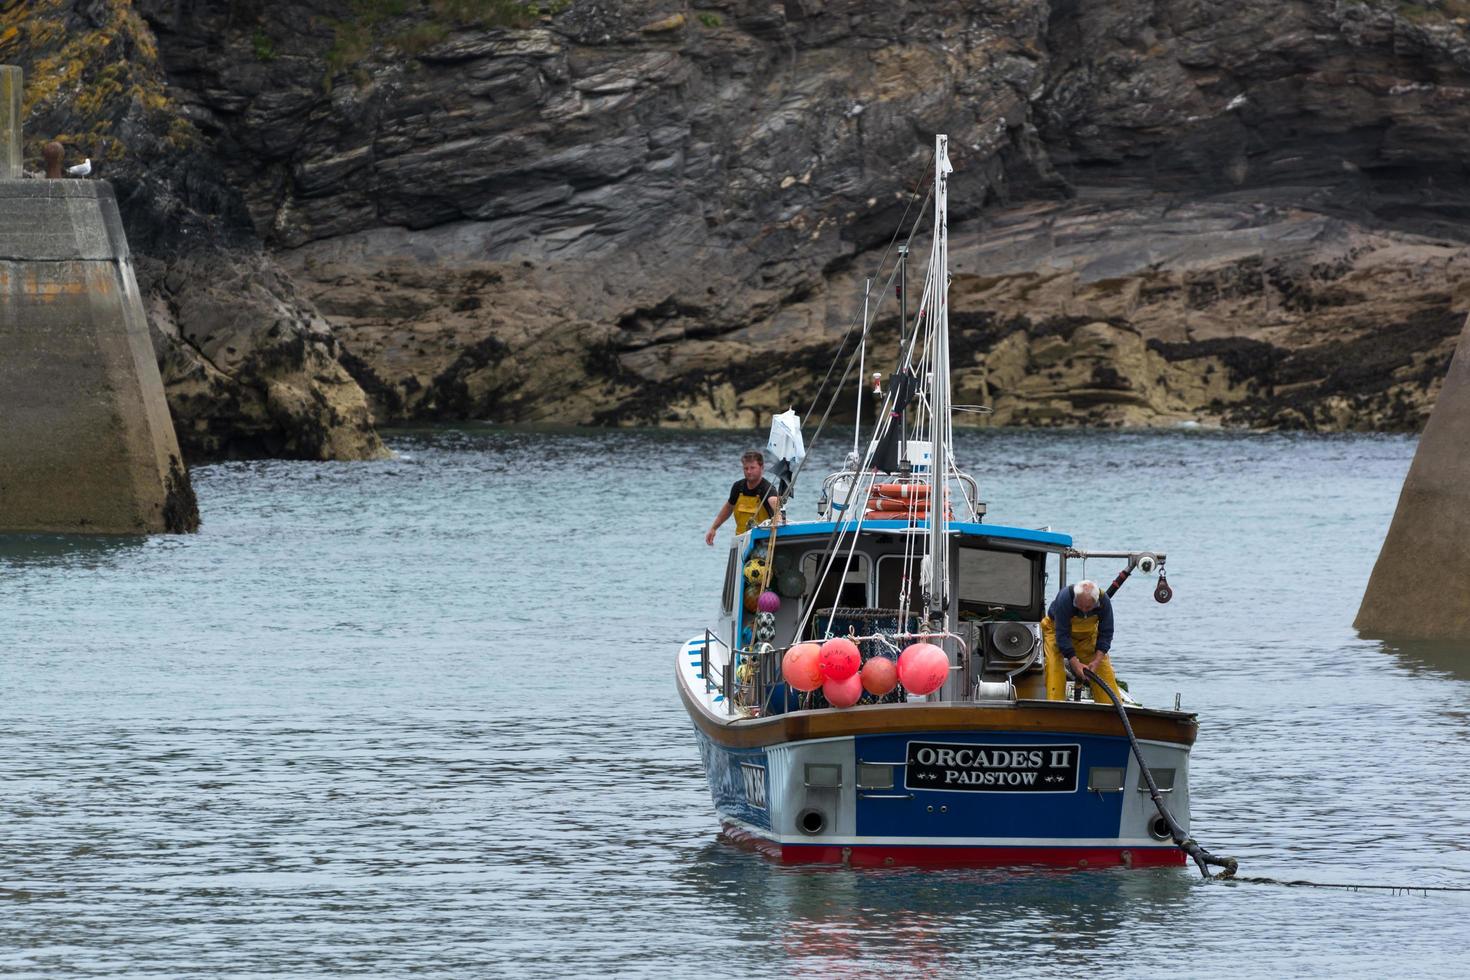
{"x":945,"y":797}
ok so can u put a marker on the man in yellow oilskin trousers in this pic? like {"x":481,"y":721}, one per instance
{"x":1078,"y":632}
{"x":753,"y":500}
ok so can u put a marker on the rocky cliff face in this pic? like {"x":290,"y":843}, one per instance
{"x":658,"y":213}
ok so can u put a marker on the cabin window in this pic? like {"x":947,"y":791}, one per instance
{"x":995,"y":578}
{"x":727,"y":603}
{"x":890,"y":581}
{"x":850,"y":590}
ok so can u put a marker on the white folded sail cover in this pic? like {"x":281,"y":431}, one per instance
{"x":785,"y":442}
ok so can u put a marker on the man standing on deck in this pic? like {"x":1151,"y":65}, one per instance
{"x":752,"y":500}
{"x":1078,"y":631}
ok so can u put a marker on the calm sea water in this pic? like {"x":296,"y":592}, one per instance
{"x":418,"y":717}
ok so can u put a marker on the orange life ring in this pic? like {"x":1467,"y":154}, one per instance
{"x":888,"y":503}
{"x":900,"y":515}
{"x":901,"y":490}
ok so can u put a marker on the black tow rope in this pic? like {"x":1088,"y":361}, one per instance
{"x":1189,"y":845}
{"x":1204,"y":858}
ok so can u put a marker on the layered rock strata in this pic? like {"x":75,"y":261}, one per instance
{"x":658,"y":213}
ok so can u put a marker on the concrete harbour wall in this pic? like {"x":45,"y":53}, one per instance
{"x":86,"y":441}
{"x":1420,"y":587}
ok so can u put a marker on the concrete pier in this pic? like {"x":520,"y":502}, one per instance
{"x":1420,"y":587}
{"x":10,"y":154}
{"x":86,"y":441}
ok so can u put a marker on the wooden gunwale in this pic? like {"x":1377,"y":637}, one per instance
{"x":1026,"y":717}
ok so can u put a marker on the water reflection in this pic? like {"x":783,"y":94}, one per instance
{"x":69,"y":550}
{"x":1439,"y":656}
{"x":823,"y":917}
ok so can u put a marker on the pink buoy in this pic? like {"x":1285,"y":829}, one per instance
{"x":840,"y":659}
{"x":801,"y":667}
{"x":880,"y":675}
{"x":907,"y":657}
{"x":923,"y":668}
{"x":843,"y":693}
{"x":768,"y":602}
{"x":934,"y":662}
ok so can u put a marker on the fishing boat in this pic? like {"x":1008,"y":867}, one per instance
{"x":952,"y":754}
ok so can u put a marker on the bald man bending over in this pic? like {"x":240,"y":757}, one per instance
{"x":1078,"y":632}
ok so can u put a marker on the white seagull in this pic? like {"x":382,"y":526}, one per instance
{"x":82,"y":169}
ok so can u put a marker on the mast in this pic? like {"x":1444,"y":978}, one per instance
{"x":937,"y":587}
{"x":903,"y":332}
{"x":857,"y":417}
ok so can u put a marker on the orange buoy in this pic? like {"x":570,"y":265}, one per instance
{"x":800,"y":667}
{"x":880,"y":675}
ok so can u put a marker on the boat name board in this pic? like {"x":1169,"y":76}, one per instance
{"x":754,"y":778}
{"x":973,"y":768}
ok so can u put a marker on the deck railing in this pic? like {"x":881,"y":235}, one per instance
{"x":829,"y":486}
{"x":753,"y":693}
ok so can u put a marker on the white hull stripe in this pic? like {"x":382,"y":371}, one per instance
{"x":1129,"y":842}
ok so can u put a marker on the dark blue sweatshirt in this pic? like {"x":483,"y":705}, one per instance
{"x":1061,"y":612}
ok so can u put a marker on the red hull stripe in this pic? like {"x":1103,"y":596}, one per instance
{"x":940,"y":856}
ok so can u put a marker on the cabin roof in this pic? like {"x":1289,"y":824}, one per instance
{"x":963,"y":528}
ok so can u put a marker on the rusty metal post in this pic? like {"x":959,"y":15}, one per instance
{"x":10,"y":89}
{"x":52,"y":153}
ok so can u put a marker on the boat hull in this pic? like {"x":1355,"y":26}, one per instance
{"x":1029,"y":783}
{"x":978,"y":854}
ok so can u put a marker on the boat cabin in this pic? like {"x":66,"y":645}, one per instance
{"x":1003,"y":578}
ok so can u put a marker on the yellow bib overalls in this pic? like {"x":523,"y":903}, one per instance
{"x":1084,"y":642}
{"x":750,"y":510}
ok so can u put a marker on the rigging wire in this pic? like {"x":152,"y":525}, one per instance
{"x":882,"y":261}
{"x":908,"y":348}
{"x":832,"y":402}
